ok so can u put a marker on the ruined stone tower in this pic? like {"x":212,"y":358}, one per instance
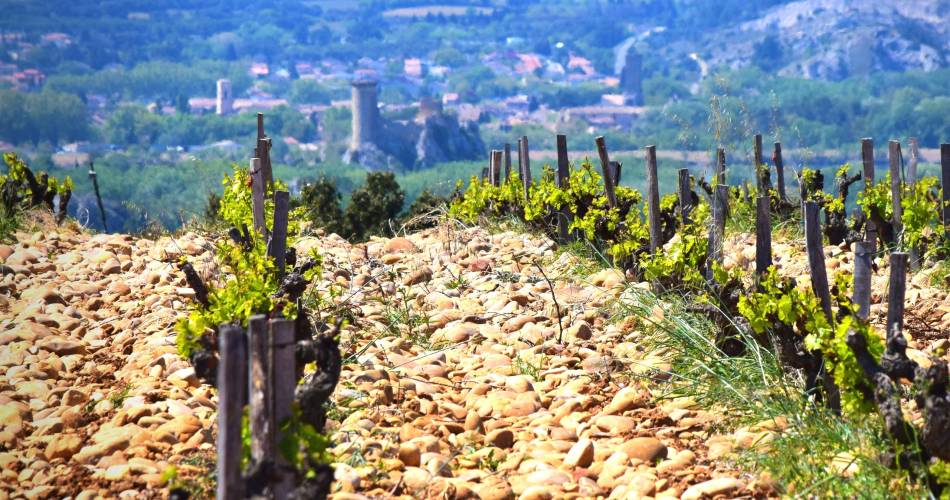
{"x":365,"y":113}
{"x":631,"y":78}
{"x":224,"y":102}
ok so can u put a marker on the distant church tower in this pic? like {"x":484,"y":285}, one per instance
{"x":631,"y":78}
{"x":224,"y":102}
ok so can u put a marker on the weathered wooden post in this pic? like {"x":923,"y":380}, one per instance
{"x":686,"y":200}
{"x":257,"y":197}
{"x":761,"y":170}
{"x":605,"y":168}
{"x":520,"y":161}
{"x":653,"y":200}
{"x":895,"y":294}
{"x":717,"y":229}
{"x":525,"y":165}
{"x":494,"y":168}
{"x":895,"y":160}
{"x":912,"y":163}
{"x":779,"y":171}
{"x":816,"y":257}
{"x":262,"y":150}
{"x":278,"y":242}
{"x":721,"y":165}
{"x":945,"y":183}
{"x":563,"y":181}
{"x":615,"y":167}
{"x":863,"y":255}
{"x":867,"y":162}
{"x":763,"y":235}
{"x":507,"y":162}
{"x":282,"y":379}
{"x":261,"y":418}
{"x":232,"y":372}
{"x":95,"y":188}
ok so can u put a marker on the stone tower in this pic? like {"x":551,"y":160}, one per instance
{"x":224,"y":102}
{"x":365,"y":113}
{"x":631,"y":78}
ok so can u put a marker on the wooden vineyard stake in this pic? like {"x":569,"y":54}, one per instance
{"x":867,"y":162}
{"x":863,"y":255}
{"x":507,"y":162}
{"x":485,"y":173}
{"x":779,"y":171}
{"x":266,"y":164}
{"x":95,"y":188}
{"x":278,"y":242}
{"x":761,"y":171}
{"x":615,"y":168}
{"x":763,"y":235}
{"x":721,"y":165}
{"x":686,"y":200}
{"x":605,"y":168}
{"x":894,"y":164}
{"x":912,"y":163}
{"x":257,"y":197}
{"x":494,"y":168}
{"x":945,"y":182}
{"x":563,"y":181}
{"x":717,"y":229}
{"x":816,"y":257}
{"x":525,"y":165}
{"x":895,"y":294}
{"x":520,"y":161}
{"x":232,"y":372}
{"x":653,"y":200}
{"x":262,"y":150}
{"x":261,"y":419}
{"x":281,"y":378}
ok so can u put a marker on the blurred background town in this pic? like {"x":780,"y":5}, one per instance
{"x":161,"y":97}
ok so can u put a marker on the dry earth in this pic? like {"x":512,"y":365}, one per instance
{"x":455,"y":385}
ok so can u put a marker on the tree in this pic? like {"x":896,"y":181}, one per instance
{"x":309,"y":92}
{"x":181,"y":104}
{"x":321,"y":199}
{"x":373,"y":205}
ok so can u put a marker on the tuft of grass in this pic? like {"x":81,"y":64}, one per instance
{"x":753,"y":388}
{"x":590,"y":260}
{"x":9,"y":224}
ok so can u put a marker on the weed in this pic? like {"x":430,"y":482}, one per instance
{"x":403,"y":321}
{"x":118,"y":398}
{"x":201,"y":485}
{"x":457,"y":283}
{"x":533,"y":370}
{"x":940,"y":276}
{"x":490,"y":462}
{"x":507,"y":277}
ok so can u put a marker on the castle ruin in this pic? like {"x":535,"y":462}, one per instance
{"x":433,"y":137}
{"x":631,"y":78}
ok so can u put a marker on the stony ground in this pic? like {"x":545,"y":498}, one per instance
{"x":455,"y":384}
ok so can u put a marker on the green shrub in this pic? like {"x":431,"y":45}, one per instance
{"x":373,"y":206}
